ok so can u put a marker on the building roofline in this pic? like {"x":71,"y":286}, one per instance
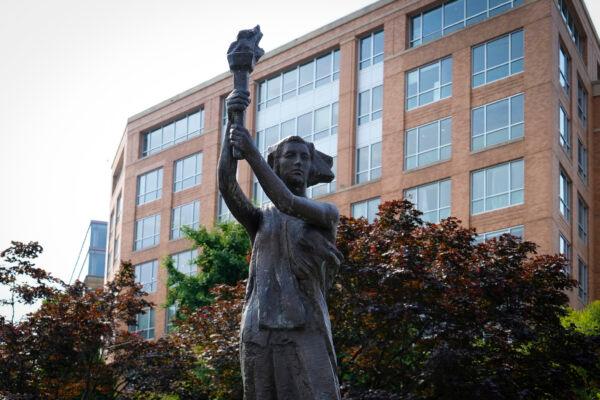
{"x":304,"y":38}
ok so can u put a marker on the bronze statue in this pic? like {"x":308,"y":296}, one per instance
{"x":286,"y":347}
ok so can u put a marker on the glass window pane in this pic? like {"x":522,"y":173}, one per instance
{"x":497,"y":180}
{"x":478,"y":59}
{"x":516,"y":175}
{"x":475,"y":7}
{"x":497,"y":115}
{"x":428,"y":137}
{"x":289,"y":80}
{"x":432,"y":24}
{"x":306,"y":72}
{"x":429,"y":77}
{"x":377,"y":94}
{"x":497,"y":52}
{"x":322,"y":119}
{"x":446,"y":71}
{"x":478,"y":121}
{"x":194,"y":122}
{"x":378,"y":42}
{"x":413,"y":80}
{"x":516,"y":49}
{"x":516,"y":109}
{"x":304,"y":125}
{"x":411,"y":141}
{"x":324,"y":66}
{"x":365,"y":48}
{"x":376,"y":155}
{"x":454,"y":12}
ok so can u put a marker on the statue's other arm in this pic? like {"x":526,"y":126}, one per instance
{"x":237,"y":202}
{"x":316,"y":213}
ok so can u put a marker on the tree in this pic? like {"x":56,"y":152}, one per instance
{"x":586,"y":321}
{"x":422,"y":311}
{"x":222,"y":259}
{"x":61,"y":350}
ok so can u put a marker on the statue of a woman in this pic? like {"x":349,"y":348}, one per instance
{"x":286,"y":347}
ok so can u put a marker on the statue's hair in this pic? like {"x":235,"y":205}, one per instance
{"x":320,"y":166}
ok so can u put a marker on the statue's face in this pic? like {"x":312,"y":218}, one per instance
{"x":294,"y":163}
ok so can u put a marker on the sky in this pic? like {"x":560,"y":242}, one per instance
{"x":73,"y":71}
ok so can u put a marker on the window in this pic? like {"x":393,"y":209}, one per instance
{"x":147,"y":232}
{"x":116,"y":249}
{"x":145,"y":274}
{"x":498,"y":58}
{"x":149,"y":186}
{"x":144,"y":324}
{"x":173,"y":133}
{"x":563,"y":68}
{"x":170,"y":314}
{"x":564,"y":194}
{"x":301,"y":79}
{"x":564,"y":249}
{"x":427,"y":144}
{"x":371,"y":50}
{"x":497,"y":187}
{"x":582,"y":219}
{"x":516,"y":231}
{"x":185,"y":215}
{"x":224,"y":118}
{"x":429,"y":83}
{"x":119,"y":208}
{"x":368,"y":163}
{"x":319,"y":126}
{"x":184,"y":262}
{"x":564,"y":133}
{"x":370,"y":104}
{"x":223,"y":213}
{"x":432,"y":199}
{"x":453,"y":16}
{"x":582,"y":161}
{"x":582,"y":99}
{"x":583,"y":281}
{"x":497,"y":122}
{"x":569,"y":19}
{"x":188,"y":172}
{"x":366,"y":209}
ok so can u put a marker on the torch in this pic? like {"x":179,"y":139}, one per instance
{"x":243,"y":54}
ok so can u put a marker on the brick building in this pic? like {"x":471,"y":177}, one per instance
{"x":480,"y":109}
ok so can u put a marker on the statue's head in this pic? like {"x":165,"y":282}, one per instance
{"x":298,"y":163}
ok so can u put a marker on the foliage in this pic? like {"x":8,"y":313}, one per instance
{"x":422,"y":311}
{"x":586,"y":321}
{"x":222,"y":259}
{"x":61,"y":350}
{"x":213,"y":331}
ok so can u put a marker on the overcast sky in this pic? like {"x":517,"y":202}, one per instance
{"x":72,"y":71}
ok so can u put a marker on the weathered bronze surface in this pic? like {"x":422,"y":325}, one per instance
{"x":286,"y":345}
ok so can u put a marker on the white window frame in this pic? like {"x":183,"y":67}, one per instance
{"x":582,"y":161}
{"x":147,"y":286}
{"x":566,"y":250}
{"x":444,"y":151}
{"x":373,"y":113}
{"x":517,"y":231}
{"x":564,"y":76}
{"x":441,"y":211}
{"x":148,"y":148}
{"x":582,"y":103}
{"x":487,"y":196}
{"x":148,"y":331}
{"x":458,"y":25}
{"x":511,"y":124}
{"x":372,"y":171}
{"x":371,"y":58}
{"x":179,"y":182}
{"x":582,"y":281}
{"x":583,"y":216}
{"x":189,"y":268}
{"x":371,"y":208}
{"x":564,"y":194}
{"x":152,"y":195}
{"x":437,"y":89}
{"x":564,"y":130}
{"x":176,"y":223}
{"x":510,"y":61}
{"x":263,"y":99}
{"x":138,"y":243}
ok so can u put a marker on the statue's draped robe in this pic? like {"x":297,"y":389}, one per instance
{"x":287,"y":350}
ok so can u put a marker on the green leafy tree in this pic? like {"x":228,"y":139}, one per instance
{"x":223,"y":255}
{"x":586,"y":321}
